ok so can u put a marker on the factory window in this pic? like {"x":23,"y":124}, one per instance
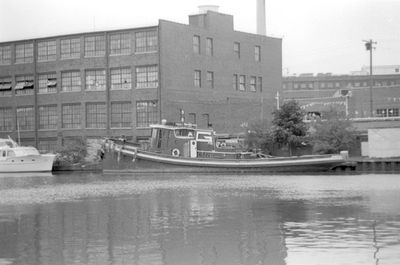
{"x":71,"y":116}
{"x":96,"y":80}
{"x":252,"y":85}
{"x":322,"y":85}
{"x":24,"y":53}
{"x":146,"y":41}
{"x":96,"y":115}
{"x":5,"y":55}
{"x":337,"y":84}
{"x":24,"y":85}
{"x":120,"y":43}
{"x":25,"y":118}
{"x":242,"y":83}
{"x":71,"y":48}
{"x":146,"y":113}
{"x":210,"y":79}
{"x":95,"y":46}
{"x":295,"y":85}
{"x":236,"y":49}
{"x":47,"y":145}
{"x":47,"y":83}
{"x":235,"y":82}
{"x":48,"y":117}
{"x":121,"y":114}
{"x":192,"y":118}
{"x":70,"y":81}
{"x":121,"y":78}
{"x":393,"y":112}
{"x":6,"y":119}
{"x":46,"y":51}
{"x":5,"y":86}
{"x":147,"y":76}
{"x":303,"y":85}
{"x":197,"y":78}
{"x":257,"y":53}
{"x":330,"y":85}
{"x":259,"y":83}
{"x":196,"y":44}
{"x":209,"y":47}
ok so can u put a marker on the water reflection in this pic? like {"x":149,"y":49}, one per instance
{"x":199,"y":220}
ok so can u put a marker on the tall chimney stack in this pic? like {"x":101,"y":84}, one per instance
{"x":261,"y":20}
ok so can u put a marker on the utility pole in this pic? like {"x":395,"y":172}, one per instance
{"x":369,"y":47}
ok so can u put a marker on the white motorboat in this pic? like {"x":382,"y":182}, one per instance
{"x":15,"y":158}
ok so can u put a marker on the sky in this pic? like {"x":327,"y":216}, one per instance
{"x":318,"y":36}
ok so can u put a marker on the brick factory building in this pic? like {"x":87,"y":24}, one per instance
{"x":118,"y":82}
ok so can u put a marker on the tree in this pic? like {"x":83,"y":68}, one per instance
{"x":288,"y":127}
{"x":332,"y":134}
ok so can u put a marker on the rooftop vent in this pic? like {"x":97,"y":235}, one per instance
{"x":204,"y":8}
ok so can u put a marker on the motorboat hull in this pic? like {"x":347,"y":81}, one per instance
{"x":28,"y":163}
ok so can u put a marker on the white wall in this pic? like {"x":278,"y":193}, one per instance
{"x":384,"y":142}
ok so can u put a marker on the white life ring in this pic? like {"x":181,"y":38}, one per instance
{"x":175,"y":152}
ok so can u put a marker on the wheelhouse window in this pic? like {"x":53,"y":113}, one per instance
{"x":25,"y":118}
{"x":47,"y":83}
{"x":147,"y":76}
{"x":121,"y":78}
{"x":96,"y":80}
{"x":71,"y":48}
{"x":196,"y":44}
{"x":120,"y":43}
{"x":96,"y":115}
{"x":71,"y":81}
{"x":146,"y":41}
{"x":24,"y":85}
{"x":95,"y":46}
{"x":46,"y":51}
{"x":185,"y":133}
{"x":48,"y":117}
{"x":146,"y":113}
{"x":6,"y":119}
{"x":71,"y":116}
{"x":5,"y":86}
{"x":5,"y":55}
{"x":24,"y":53}
{"x":121,"y":114}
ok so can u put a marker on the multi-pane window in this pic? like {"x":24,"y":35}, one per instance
{"x":242,"y":83}
{"x":146,"y":113}
{"x":147,"y":76}
{"x":236,"y":49}
{"x":48,"y":117}
{"x":393,"y":112}
{"x":24,"y":53}
{"x":96,"y":115}
{"x":71,"y":48}
{"x":47,"y":145}
{"x":235,"y":82}
{"x":46,"y":51}
{"x":121,"y":114}
{"x":71,"y":81}
{"x":146,"y":41}
{"x":196,"y":44}
{"x":6,"y":119}
{"x":47,"y":83}
{"x":71,"y":116}
{"x":95,"y":46}
{"x":197,"y":78}
{"x":5,"y":86}
{"x":252,"y":83}
{"x":24,"y":85}
{"x":96,"y":80}
{"x":121,"y":78}
{"x":5,"y":55}
{"x":257,"y":53}
{"x":259,"y":84}
{"x":210,"y":79}
{"x":209,"y":47}
{"x":25,"y":118}
{"x":120,"y":43}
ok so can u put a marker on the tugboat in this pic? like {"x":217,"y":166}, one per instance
{"x":183,"y":147}
{"x":15,"y":158}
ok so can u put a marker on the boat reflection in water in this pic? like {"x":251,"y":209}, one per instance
{"x":200,"y":219}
